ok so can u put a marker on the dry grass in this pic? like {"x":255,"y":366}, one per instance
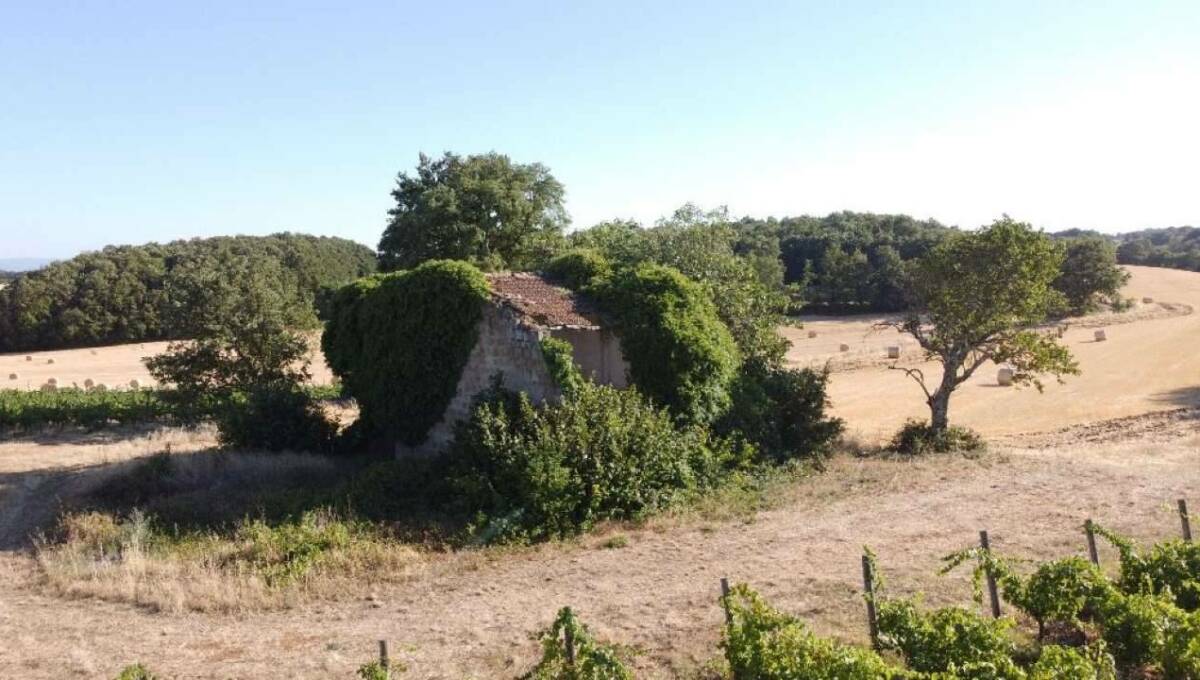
{"x":201,"y":530}
{"x":255,"y":568}
{"x":469,"y":613}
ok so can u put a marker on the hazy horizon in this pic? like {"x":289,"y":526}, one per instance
{"x":153,"y":122}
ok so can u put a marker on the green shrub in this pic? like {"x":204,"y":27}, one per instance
{"x":1057,"y":591}
{"x":136,"y":672}
{"x":404,"y":489}
{"x":373,"y":671}
{"x":782,"y":411}
{"x":1169,"y":567}
{"x":917,"y":438}
{"x":680,"y":353}
{"x":1181,"y":652}
{"x":602,"y":454}
{"x":593,"y":660}
{"x":1136,"y":627}
{"x":288,"y":551}
{"x":578,"y":267}
{"x":1062,"y":663}
{"x":762,"y":643}
{"x":950,"y":639}
{"x":91,"y":409}
{"x":399,"y":342}
{"x":273,"y":418}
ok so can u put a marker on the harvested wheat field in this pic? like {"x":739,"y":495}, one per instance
{"x":114,"y":366}
{"x":1148,"y":363}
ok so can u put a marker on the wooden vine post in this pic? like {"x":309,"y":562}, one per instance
{"x":725,"y":601}
{"x":1090,"y":530}
{"x":569,"y":644}
{"x":993,"y":592}
{"x":1185,"y":521}
{"x":868,"y":572}
{"x":384,"y":662}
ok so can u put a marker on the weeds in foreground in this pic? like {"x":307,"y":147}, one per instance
{"x":255,"y":566}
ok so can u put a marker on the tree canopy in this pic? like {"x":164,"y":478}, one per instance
{"x":484,"y":209}
{"x":153,"y":291}
{"x":1175,"y":247}
{"x":747,"y":292}
{"x":977,"y":298}
{"x":1090,"y":275}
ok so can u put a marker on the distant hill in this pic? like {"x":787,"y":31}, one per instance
{"x":22,"y":264}
{"x":154,"y":291}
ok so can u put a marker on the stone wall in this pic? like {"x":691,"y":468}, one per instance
{"x":505,"y":346}
{"x":597,"y":353}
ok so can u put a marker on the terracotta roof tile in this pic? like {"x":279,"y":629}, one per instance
{"x":541,"y":302}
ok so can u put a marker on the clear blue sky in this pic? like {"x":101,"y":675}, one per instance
{"x":127,"y":122}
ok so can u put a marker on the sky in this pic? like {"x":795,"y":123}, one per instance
{"x":125,"y":122}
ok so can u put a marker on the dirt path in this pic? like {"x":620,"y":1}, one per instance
{"x":470,"y":614}
{"x":1144,"y":366}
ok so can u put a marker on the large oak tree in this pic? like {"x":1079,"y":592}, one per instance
{"x":978,"y":297}
{"x":484,"y":209}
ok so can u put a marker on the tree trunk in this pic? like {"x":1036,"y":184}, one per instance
{"x":939,"y":401}
{"x":939,"y":410}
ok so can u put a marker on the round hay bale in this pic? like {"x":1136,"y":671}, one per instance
{"x":49,"y":387}
{"x":893,"y":352}
{"x":812,"y":334}
{"x":843,"y":347}
{"x":1147,"y":301}
{"x":89,"y":383}
{"x":51,"y":381}
{"x":28,"y":358}
{"x":1100,"y":335}
{"x":134,"y":384}
{"x":13,"y":376}
{"x":1004,"y":376}
{"x":49,"y":361}
{"x":94,"y":352}
{"x":100,"y":387}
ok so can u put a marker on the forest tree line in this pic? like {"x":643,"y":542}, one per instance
{"x":165,"y":291}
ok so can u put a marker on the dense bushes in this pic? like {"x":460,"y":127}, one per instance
{"x":917,"y":438}
{"x":399,"y":342}
{"x":762,"y":643}
{"x":781,"y":411}
{"x":679,"y":352}
{"x":603,"y":454}
{"x":276,"y":418}
{"x":578,"y":267}
{"x":1141,"y":623}
{"x":138,"y":293}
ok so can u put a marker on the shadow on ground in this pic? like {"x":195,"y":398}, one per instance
{"x":1184,"y":396}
